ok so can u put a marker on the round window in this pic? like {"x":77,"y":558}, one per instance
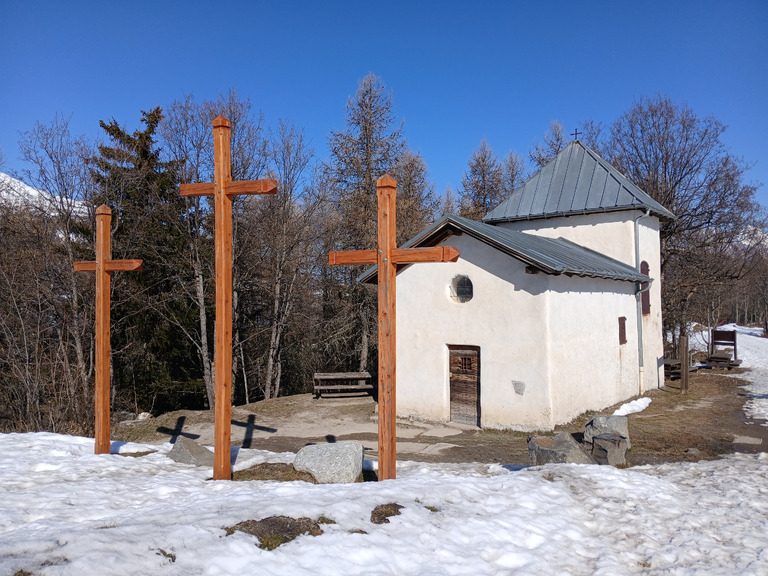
{"x":461,"y":289}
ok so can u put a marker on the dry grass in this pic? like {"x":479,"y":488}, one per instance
{"x":273,"y":471}
{"x":383,"y":512}
{"x":276,"y":530}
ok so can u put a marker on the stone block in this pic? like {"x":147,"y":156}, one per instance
{"x":339,"y":462}
{"x":603,"y":424}
{"x":561,"y":448}
{"x":188,"y":451}
{"x":609,"y":449}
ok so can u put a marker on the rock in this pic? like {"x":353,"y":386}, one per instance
{"x":188,"y":451}
{"x":124,"y":416}
{"x":561,"y":448}
{"x":602,"y":424}
{"x":609,"y":449}
{"x":693,"y":451}
{"x":335,"y":463}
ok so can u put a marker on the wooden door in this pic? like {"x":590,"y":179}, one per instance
{"x":464,"y":368}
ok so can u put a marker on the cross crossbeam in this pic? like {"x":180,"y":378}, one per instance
{"x":387,"y":256}
{"x":223,"y":189}
{"x":103,"y":266}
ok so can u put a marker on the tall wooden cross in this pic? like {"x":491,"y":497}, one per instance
{"x":103,"y":266}
{"x":223,"y":189}
{"x":387,"y":256}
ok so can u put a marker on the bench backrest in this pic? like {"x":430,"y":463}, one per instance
{"x":723,"y":338}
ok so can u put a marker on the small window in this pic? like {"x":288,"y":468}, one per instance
{"x":645,"y":297}
{"x":461,"y":289}
{"x":466,"y":363}
{"x":622,"y":329}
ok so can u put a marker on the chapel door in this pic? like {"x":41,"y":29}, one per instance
{"x":464,"y":369}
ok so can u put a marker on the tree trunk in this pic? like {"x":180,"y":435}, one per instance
{"x":205,"y":357}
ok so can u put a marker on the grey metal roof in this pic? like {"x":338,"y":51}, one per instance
{"x":550,"y":255}
{"x":577,"y":181}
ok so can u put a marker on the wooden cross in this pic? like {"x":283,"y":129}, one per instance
{"x":576,"y":134}
{"x":222,"y":190}
{"x":103,"y":266}
{"x":387,"y":256}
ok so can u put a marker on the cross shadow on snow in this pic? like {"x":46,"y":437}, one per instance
{"x":177,"y":430}
{"x":754,"y":396}
{"x":514,"y":467}
{"x":114,"y":447}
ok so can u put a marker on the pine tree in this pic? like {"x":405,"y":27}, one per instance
{"x":154,"y":366}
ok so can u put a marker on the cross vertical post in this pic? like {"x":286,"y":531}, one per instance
{"x":387,"y":256}
{"x":386,"y":193}
{"x":103,"y":266}
{"x":222,"y":190}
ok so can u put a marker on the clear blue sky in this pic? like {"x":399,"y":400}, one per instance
{"x":458,"y":71}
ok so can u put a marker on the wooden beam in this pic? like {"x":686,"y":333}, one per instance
{"x":222,"y":469}
{"x":201,"y":189}
{"x":86,"y":266}
{"x":241,"y":187}
{"x":238,"y":188}
{"x":222,"y":190}
{"x":124,"y":265}
{"x":416,"y":255}
{"x":103,"y":266}
{"x":387,"y":257}
{"x":101,"y":391}
{"x":352,"y":257}
{"x":387,"y":268}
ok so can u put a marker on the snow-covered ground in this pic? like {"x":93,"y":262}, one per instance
{"x":64,"y":510}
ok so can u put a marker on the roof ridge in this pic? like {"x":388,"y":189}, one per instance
{"x":571,"y":199}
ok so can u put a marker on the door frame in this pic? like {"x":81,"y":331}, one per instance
{"x":452,"y":348}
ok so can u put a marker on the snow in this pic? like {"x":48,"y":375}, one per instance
{"x":67,"y":511}
{"x":633,"y":407}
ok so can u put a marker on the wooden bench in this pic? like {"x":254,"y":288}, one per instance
{"x":343,"y":382}
{"x":723,"y":359}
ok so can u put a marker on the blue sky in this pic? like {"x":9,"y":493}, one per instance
{"x":458,"y":71}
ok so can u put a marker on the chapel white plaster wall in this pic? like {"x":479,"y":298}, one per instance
{"x":504,"y":319}
{"x":590,"y":369}
{"x":612,"y":234}
{"x":653,"y":335}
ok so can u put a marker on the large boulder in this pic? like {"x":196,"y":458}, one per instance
{"x":334,"y":463}
{"x":558,"y":449}
{"x":609,"y":449}
{"x":603,"y":424}
{"x":188,"y":451}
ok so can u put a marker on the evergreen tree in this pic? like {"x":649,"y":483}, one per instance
{"x":154,"y":365}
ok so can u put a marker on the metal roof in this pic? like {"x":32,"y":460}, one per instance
{"x":577,"y":181}
{"x":550,"y":255}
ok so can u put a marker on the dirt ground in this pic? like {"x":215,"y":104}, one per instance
{"x":709,"y":418}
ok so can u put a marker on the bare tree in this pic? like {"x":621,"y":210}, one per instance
{"x":679,"y":159}
{"x":186,"y":134}
{"x":513,"y":172}
{"x":554,"y":143}
{"x":284,"y":232}
{"x":45,"y":321}
{"x":369,"y":147}
{"x":482,"y":185}
{"x":416,"y":201}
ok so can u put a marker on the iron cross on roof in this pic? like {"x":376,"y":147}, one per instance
{"x":387,"y":256}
